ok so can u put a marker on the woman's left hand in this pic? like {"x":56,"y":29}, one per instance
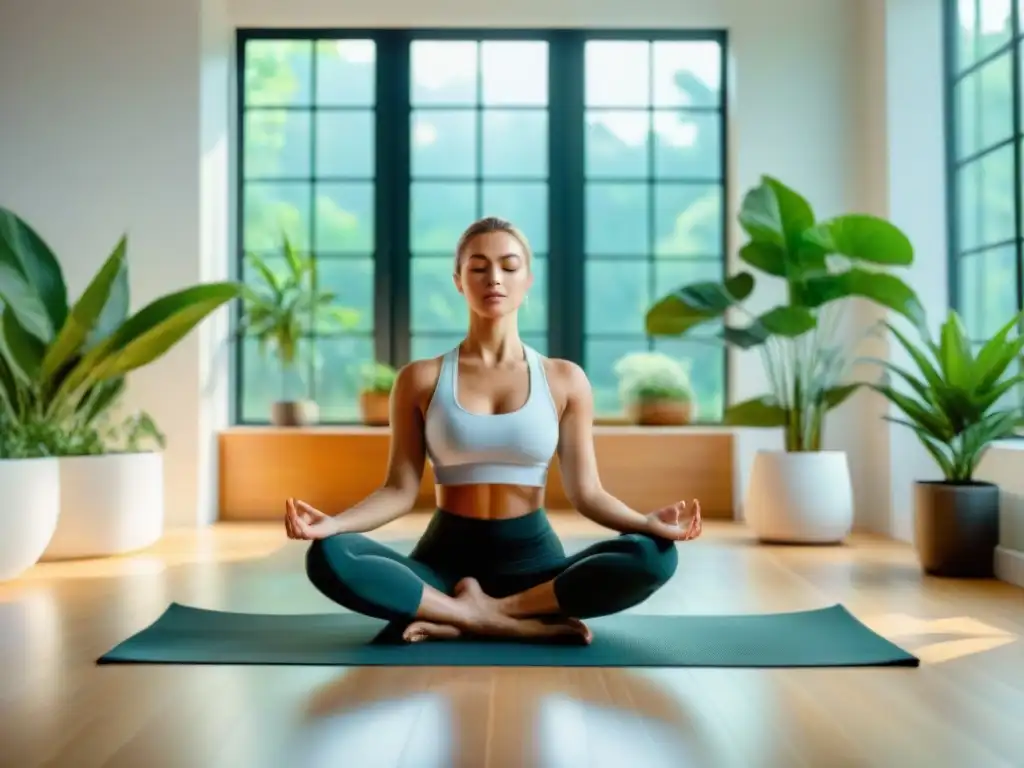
{"x":675,"y":522}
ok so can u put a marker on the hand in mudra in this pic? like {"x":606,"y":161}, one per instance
{"x":304,"y":522}
{"x":675,"y":522}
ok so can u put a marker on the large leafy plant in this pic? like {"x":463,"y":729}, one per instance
{"x":283,"y":305}
{"x":63,"y":365}
{"x":821,"y":264}
{"x":953,"y":400}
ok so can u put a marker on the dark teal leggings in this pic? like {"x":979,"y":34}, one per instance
{"x":505,"y":556}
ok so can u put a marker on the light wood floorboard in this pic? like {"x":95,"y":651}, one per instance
{"x":962,"y":707}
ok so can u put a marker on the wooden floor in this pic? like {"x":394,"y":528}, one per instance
{"x":963,"y":707}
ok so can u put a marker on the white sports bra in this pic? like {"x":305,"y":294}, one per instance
{"x":502,"y":449}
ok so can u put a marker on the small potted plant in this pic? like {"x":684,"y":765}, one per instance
{"x":953,"y":406}
{"x":655,"y":389}
{"x":278,"y":311}
{"x":375,"y":394}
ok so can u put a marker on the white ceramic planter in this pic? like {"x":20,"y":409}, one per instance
{"x":800,"y":498}
{"x":29,"y":506}
{"x":110,"y":504}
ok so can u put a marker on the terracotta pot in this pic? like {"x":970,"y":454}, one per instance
{"x":376,"y":408}
{"x":660,"y":413}
{"x":294,"y":413}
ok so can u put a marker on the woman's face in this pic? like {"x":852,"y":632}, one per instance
{"x":494,"y":274}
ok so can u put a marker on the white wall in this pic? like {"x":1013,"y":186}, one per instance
{"x":1002,"y":466}
{"x":917,"y":203}
{"x":117,"y":122}
{"x":101,"y":136}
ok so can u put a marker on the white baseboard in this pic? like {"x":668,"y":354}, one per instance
{"x":1009,"y":565}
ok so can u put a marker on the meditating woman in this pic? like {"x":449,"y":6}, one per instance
{"x":490,"y":414}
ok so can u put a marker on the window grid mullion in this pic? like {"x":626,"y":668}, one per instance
{"x":1015,"y":75}
{"x":311,"y":234}
{"x":566,"y":182}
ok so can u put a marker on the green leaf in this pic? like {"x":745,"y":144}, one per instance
{"x":932,"y":421}
{"x":31,"y":280}
{"x":930,"y":372}
{"x":159,"y":326}
{"x":933,"y":446}
{"x":697,"y":303}
{"x":759,"y":412}
{"x":955,"y":352}
{"x":985,"y":398}
{"x":920,"y":388}
{"x":879,"y":287}
{"x":862,"y":237}
{"x":7,"y":379}
{"x":997,"y":353}
{"x":745,"y":338}
{"x":766,"y":256}
{"x":115,"y":311}
{"x":150,"y":333}
{"x":775,"y":213}
{"x":100,"y":397}
{"x":24,"y":351}
{"x":268,"y":275}
{"x":786,"y":321}
{"x":88,"y":313}
{"x":836,"y":396}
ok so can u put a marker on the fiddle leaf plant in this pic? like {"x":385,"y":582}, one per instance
{"x":822,"y":265}
{"x":282,"y":306}
{"x":954,"y":401}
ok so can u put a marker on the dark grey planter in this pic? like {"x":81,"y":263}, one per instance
{"x":956,"y":528}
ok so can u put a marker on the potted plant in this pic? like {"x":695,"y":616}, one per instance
{"x":30,"y":480}
{"x":112,"y":486}
{"x":278,"y":311}
{"x":62,"y":368}
{"x":375,"y":393}
{"x":952,"y":404}
{"x":801,"y":493}
{"x":655,"y":390}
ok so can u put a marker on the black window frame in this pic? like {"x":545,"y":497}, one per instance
{"x":953,"y":75}
{"x":566,"y":211}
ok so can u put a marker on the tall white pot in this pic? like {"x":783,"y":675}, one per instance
{"x":110,"y":504}
{"x":29,"y":506}
{"x":800,"y":498}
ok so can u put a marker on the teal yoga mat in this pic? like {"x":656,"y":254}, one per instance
{"x":827,"y":637}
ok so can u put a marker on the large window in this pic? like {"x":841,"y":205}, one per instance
{"x":984,"y":143}
{"x":373,"y":150}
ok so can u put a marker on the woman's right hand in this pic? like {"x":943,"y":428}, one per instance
{"x":307,"y":523}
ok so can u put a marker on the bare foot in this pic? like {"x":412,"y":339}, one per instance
{"x":428,"y":630}
{"x":484,"y":617}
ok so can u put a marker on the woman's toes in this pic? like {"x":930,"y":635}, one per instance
{"x":419,"y":631}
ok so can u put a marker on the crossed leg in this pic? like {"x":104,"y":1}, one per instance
{"x":604,"y":578}
{"x":368,"y":577}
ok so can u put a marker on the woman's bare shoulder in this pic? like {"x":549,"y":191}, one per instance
{"x":566,"y":379}
{"x":417,"y":379}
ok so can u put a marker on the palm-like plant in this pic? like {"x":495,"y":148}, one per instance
{"x":285,"y":305}
{"x":953,"y":402}
{"x":62,"y":366}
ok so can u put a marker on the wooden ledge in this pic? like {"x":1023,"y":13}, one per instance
{"x":334,"y":467}
{"x":362,"y":429}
